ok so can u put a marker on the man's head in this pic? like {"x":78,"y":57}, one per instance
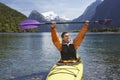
{"x":65,"y":37}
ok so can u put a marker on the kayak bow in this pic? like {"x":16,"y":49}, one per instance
{"x":66,"y":71}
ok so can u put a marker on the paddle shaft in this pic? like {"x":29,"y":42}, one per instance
{"x":27,"y":24}
{"x":69,"y":22}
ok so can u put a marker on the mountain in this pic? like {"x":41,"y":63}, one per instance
{"x":47,"y":17}
{"x":50,"y":15}
{"x":87,"y":15}
{"x":90,"y":11}
{"x":35,"y":15}
{"x":10,"y":19}
{"x":108,"y":9}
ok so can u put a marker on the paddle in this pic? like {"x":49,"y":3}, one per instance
{"x":29,"y":24}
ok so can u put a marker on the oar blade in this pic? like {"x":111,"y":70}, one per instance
{"x":105,"y":21}
{"x":29,"y":24}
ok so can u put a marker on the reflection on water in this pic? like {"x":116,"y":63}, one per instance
{"x":101,"y":57}
{"x":25,"y":56}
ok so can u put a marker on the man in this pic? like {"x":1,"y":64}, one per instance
{"x":67,"y":46}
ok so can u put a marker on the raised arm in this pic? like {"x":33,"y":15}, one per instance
{"x":55,"y":38}
{"x":79,"y":38}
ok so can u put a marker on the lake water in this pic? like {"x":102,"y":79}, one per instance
{"x":29,"y":56}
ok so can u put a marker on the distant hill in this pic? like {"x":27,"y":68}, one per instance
{"x":87,"y":15}
{"x":35,"y":15}
{"x":10,"y":19}
{"x":108,"y":9}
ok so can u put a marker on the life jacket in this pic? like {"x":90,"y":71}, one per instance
{"x":68,"y":52}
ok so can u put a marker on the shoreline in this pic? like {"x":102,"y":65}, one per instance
{"x":49,"y":32}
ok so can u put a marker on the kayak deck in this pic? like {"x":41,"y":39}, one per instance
{"x":68,"y":71}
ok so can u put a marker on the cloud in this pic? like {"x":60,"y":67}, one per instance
{"x":63,"y":8}
{"x":69,"y":8}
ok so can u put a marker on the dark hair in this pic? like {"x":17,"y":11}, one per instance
{"x":62,"y":35}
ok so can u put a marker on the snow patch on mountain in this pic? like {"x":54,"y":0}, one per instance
{"x":50,"y":15}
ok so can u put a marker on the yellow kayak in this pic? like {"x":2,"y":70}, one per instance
{"x":66,"y":71}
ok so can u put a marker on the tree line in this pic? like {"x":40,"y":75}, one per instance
{"x":10,"y":19}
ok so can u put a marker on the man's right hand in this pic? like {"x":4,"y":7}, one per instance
{"x":53,"y":25}
{"x":87,"y":22}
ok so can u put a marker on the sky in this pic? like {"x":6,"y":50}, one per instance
{"x":71,"y":9}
